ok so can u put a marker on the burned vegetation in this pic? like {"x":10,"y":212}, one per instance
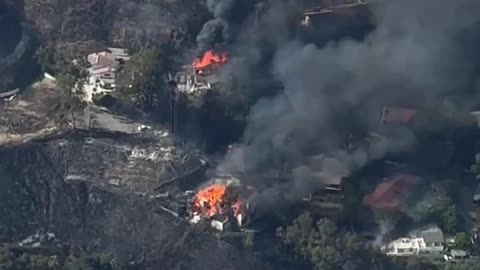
{"x":241,"y":135}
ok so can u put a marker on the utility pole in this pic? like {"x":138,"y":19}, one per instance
{"x":173,"y":98}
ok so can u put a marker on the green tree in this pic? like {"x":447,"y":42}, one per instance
{"x":45,"y":57}
{"x":144,"y":78}
{"x":92,"y":262}
{"x":462,"y":241}
{"x":70,"y":86}
{"x":325,"y":246}
{"x":450,"y":219}
{"x":442,"y":211}
{"x":469,"y":264}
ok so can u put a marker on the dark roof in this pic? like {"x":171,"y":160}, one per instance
{"x":220,"y":218}
{"x":433,"y":236}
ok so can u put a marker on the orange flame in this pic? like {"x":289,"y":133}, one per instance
{"x":208,"y":59}
{"x":211,"y":200}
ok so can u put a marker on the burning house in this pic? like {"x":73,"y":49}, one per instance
{"x":327,"y":178}
{"x":221,"y":205}
{"x":209,"y":62}
{"x":200,"y":76}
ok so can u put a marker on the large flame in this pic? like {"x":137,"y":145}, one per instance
{"x":210,"y":58}
{"x":211,"y":200}
{"x":216,"y":199}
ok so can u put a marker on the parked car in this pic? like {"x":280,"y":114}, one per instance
{"x":455,"y":255}
{"x":142,"y":128}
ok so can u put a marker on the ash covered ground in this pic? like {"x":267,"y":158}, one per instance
{"x":297,"y":111}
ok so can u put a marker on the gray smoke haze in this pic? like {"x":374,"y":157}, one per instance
{"x":418,"y":50}
{"x":220,"y":8}
{"x":153,"y":22}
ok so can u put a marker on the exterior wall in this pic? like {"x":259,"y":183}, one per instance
{"x":402,"y":247}
{"x":218,"y":225}
{"x":100,"y":70}
{"x":414,"y":247}
{"x":432,"y":251}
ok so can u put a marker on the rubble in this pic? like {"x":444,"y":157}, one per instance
{"x":133,"y":165}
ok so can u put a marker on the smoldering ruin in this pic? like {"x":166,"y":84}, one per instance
{"x":324,"y":121}
{"x":336,"y":107}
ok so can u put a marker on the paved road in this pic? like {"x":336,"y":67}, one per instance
{"x":97,"y":117}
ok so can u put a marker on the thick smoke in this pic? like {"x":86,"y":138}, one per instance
{"x":227,"y":15}
{"x":419,"y":50}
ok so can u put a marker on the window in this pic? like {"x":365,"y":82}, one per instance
{"x":400,"y":250}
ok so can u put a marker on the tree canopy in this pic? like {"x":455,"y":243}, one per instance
{"x":144,"y":78}
{"x":327,"y":247}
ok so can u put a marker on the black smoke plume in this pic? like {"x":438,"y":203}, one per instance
{"x":419,"y":50}
{"x":228,"y":15}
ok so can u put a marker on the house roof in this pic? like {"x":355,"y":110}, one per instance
{"x":434,"y":235}
{"x":118,"y":51}
{"x":390,"y":194}
{"x":429,"y":234}
{"x":391,"y":115}
{"x":403,"y":243}
{"x":102,"y":59}
{"x":458,"y":253}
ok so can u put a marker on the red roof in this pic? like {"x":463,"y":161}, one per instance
{"x":397,"y":115}
{"x":390,"y":194}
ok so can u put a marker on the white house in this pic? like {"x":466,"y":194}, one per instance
{"x":402,"y":247}
{"x":103,"y":71}
{"x":429,"y":242}
{"x":188,"y":82}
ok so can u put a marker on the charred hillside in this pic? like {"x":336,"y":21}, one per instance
{"x":235,"y":116}
{"x":66,"y":187}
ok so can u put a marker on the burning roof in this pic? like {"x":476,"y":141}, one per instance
{"x":218,"y":200}
{"x":211,"y":200}
{"x":210,"y":60}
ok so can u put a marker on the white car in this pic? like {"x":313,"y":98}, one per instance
{"x":10,"y":98}
{"x":143,"y":128}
